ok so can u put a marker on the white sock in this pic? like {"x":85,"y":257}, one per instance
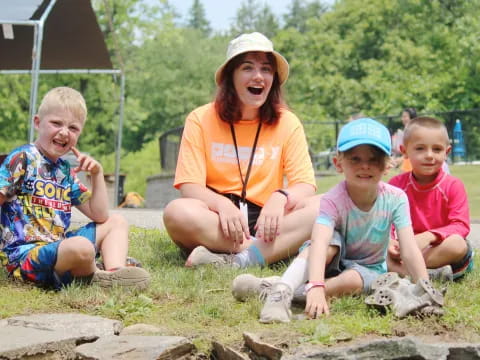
{"x":296,"y":274}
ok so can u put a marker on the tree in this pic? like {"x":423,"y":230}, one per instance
{"x":197,"y":19}
{"x":300,"y":11}
{"x":251,"y":16}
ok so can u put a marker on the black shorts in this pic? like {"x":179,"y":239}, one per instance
{"x":253,"y":211}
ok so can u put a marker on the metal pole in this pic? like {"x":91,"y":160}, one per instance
{"x":36,"y":59}
{"x":119,"y":140}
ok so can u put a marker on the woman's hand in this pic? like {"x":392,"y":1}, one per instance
{"x":316,"y":303}
{"x":233,"y":223}
{"x":271,"y":217}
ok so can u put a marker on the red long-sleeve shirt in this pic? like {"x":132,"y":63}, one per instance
{"x":440,"y":207}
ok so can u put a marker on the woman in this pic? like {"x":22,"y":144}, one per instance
{"x":397,"y":141}
{"x":234,"y":155}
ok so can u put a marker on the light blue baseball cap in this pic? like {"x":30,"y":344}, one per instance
{"x":364,"y":131}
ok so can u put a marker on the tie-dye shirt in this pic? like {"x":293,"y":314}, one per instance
{"x":39,"y":194}
{"x":366,"y":233}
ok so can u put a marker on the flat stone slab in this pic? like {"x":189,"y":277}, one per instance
{"x":18,"y":342}
{"x":396,"y":348}
{"x":71,"y":323}
{"x":58,"y":334}
{"x":136,"y":347}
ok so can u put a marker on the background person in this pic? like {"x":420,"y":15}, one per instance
{"x":234,"y":155}
{"x":398,"y":159}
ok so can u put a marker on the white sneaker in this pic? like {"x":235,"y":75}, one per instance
{"x":248,"y":285}
{"x":277,"y":305}
{"x":202,"y":256}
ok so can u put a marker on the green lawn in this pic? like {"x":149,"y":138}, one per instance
{"x":469,"y":174}
{"x":198,"y":303}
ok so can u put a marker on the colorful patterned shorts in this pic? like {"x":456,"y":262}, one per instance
{"x":39,"y":262}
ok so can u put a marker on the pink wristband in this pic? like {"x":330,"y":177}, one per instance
{"x":311,"y":284}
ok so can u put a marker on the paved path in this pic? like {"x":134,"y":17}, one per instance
{"x":152,"y":219}
{"x":144,"y":218}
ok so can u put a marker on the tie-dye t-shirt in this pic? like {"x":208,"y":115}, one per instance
{"x":366,"y":233}
{"x":39,"y":194}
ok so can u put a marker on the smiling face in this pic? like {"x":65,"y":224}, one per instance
{"x":427,"y":149}
{"x":363,"y":167}
{"x":58,"y":132}
{"x":253,"y":80}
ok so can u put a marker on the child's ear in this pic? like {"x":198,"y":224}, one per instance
{"x":338,"y":164}
{"x":36,"y":121}
{"x":449,"y":148}
{"x":403,"y":151}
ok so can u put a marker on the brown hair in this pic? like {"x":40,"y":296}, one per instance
{"x":426,"y":122}
{"x":63,"y":98}
{"x":382,"y":159}
{"x":228,"y":104}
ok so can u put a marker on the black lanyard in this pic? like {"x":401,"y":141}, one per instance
{"x":245,"y":182}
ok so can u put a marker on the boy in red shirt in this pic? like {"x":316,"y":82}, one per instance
{"x":438,"y":203}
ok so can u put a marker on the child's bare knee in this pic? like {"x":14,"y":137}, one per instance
{"x":84,"y":250}
{"x":460,"y":248}
{"x":118,"y":221}
{"x":78,"y":250}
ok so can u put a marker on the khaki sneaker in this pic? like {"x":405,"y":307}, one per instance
{"x":248,"y":285}
{"x":277,"y":305}
{"x":443,"y":274}
{"x":128,"y":277}
{"x":202,"y":256}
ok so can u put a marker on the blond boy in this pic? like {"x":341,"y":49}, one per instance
{"x":37,"y":190}
{"x":438,"y":202}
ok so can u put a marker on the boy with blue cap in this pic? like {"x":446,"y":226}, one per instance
{"x":351,"y":234}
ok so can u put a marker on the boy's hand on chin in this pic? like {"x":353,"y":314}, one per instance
{"x":86,"y":163}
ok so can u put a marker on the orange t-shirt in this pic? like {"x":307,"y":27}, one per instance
{"x":207,"y":154}
{"x":406,"y":165}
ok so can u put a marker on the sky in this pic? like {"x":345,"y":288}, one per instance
{"x":220,"y":13}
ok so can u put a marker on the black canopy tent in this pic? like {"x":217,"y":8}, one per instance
{"x":55,"y":37}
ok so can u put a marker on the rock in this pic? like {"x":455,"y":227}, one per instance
{"x":136,"y":347}
{"x":223,"y":352}
{"x":18,"y":342}
{"x":57,"y":334}
{"x":261,"y":348}
{"x":73,"y":324}
{"x":397,"y":348}
{"x":143,"y":329}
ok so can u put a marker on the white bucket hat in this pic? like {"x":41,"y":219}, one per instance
{"x":253,"y":42}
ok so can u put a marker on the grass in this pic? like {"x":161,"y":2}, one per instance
{"x":198,"y":304}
